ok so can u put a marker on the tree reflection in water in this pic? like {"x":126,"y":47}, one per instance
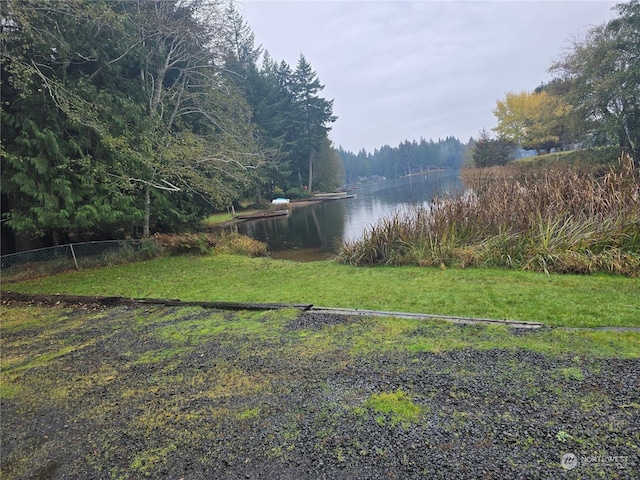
{"x":313,"y":232}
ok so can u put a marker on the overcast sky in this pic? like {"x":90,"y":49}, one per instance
{"x":401,"y":70}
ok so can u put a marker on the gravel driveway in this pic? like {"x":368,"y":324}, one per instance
{"x":187,"y":393}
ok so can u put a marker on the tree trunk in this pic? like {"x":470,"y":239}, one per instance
{"x":147,"y":212}
{"x":628,"y":145}
{"x":310,"y":186}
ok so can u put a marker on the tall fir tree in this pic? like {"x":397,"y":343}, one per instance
{"x":310,"y":121}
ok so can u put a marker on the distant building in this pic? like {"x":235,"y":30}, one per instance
{"x":524,"y":153}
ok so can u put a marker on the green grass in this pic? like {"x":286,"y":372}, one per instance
{"x":221,"y":218}
{"x":378,"y":335}
{"x":558,"y":300}
{"x":594,"y":157}
{"x":217,"y":219}
{"x":397,"y":407}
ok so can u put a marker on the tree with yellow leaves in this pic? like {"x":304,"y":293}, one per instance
{"x":537,"y":120}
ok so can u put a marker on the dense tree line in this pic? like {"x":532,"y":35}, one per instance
{"x":593,"y":101}
{"x":127,"y":117}
{"x":408,"y":157}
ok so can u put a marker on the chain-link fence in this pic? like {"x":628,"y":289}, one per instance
{"x":47,"y":261}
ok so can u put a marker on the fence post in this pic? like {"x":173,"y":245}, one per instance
{"x":73,"y":254}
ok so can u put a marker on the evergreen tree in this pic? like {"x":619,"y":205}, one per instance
{"x":113,"y":111}
{"x":329,"y":173}
{"x":291,"y":120}
{"x":58,"y":178}
{"x":488,"y":152}
{"x":310,"y":118}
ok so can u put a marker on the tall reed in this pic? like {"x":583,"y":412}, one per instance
{"x":560,"y":220}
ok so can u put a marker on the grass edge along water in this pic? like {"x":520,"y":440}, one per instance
{"x":599,"y":300}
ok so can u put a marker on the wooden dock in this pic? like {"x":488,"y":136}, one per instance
{"x":263,"y":214}
{"x":319,"y":198}
{"x":333,"y":196}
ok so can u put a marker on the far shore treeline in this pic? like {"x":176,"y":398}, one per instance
{"x":122,"y":119}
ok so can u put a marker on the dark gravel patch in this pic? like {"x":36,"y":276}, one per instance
{"x":150,"y":393}
{"x":316,"y":320}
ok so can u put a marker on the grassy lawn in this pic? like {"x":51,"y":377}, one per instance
{"x":217,"y":219}
{"x":558,"y":300}
{"x":168,"y":392}
{"x":221,"y":218}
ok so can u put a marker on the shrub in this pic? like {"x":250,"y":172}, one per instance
{"x":204,"y":243}
{"x":241,"y":244}
{"x":297,"y":193}
{"x":186,"y":243}
{"x":278,"y":192}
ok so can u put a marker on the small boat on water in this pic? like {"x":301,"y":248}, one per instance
{"x":280,"y":201}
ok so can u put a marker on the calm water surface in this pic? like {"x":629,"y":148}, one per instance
{"x":312,"y":232}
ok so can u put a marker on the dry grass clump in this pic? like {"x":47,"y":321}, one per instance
{"x":186,"y":243}
{"x":241,"y":244}
{"x":205,"y":243}
{"x":561,"y":220}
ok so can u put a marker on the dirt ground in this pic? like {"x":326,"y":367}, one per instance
{"x":151,"y":391}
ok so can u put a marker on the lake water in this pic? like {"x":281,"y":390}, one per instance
{"x":312,"y":232}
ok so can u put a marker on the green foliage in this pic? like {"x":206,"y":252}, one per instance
{"x":297,"y":193}
{"x":309,"y":122}
{"x":57,"y":176}
{"x":291,"y":118}
{"x":123,"y":118}
{"x":603,"y":75}
{"x":116,"y":119}
{"x":278,"y":192}
{"x":328,"y":171}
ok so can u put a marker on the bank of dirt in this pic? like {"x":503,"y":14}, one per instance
{"x":130,"y":391}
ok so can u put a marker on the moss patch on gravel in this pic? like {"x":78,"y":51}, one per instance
{"x":398,"y":407}
{"x":184,"y":392}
